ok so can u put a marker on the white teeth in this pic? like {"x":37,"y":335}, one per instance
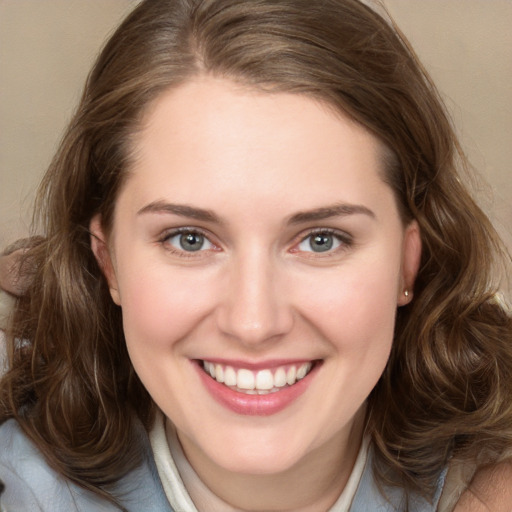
{"x":280,"y":378}
{"x":229,"y":376}
{"x":264,"y":380}
{"x":260,"y":382}
{"x":303,"y":370}
{"x":245,"y":379}
{"x":290,"y":375}
{"x":219,"y":373}
{"x":209,"y":368}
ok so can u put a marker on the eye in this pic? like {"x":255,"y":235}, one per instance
{"x":322,"y":241}
{"x":188,"y":240}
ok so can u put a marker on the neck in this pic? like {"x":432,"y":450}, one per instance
{"x":312,"y":485}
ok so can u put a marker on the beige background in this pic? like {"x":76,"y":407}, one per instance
{"x":47,"y":47}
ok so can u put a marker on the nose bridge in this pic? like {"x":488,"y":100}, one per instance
{"x":255,"y":308}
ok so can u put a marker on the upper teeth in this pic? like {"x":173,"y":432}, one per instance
{"x":262,"y":380}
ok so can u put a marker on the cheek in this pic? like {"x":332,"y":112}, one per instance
{"x":354,"y":313}
{"x":354,"y":306}
{"x":161,"y":304}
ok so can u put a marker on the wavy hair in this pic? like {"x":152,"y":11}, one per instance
{"x":446,"y":391}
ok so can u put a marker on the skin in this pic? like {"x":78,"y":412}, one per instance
{"x":257,"y":291}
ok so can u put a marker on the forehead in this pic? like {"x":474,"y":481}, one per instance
{"x":212,"y":135}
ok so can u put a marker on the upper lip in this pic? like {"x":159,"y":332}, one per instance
{"x":258,"y":365}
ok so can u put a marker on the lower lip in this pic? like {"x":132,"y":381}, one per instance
{"x":255,"y":405}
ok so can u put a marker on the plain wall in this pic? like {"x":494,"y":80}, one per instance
{"x":47,"y":48}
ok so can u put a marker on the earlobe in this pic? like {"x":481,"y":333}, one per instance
{"x":411,"y":258}
{"x":102,"y":254}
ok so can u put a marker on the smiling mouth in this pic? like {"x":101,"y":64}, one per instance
{"x":260,"y":382}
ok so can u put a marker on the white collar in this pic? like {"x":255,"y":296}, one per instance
{"x":177,"y":474}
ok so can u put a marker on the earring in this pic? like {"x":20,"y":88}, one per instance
{"x":406,"y":293}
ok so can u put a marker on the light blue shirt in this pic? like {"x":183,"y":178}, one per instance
{"x":32,"y":486}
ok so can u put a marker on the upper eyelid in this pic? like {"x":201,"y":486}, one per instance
{"x":163,"y":240}
{"x":298,"y":238}
{"x":331,"y":231}
{"x":166,"y":233}
{"x":346,"y":242}
{"x":172,"y":232}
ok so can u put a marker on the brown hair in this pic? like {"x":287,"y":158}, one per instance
{"x":447,"y":387}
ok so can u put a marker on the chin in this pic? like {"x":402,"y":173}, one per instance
{"x":246,"y":464}
{"x":264,"y":456}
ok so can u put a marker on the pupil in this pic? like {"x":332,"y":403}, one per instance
{"x":321,"y":243}
{"x":191,"y":241}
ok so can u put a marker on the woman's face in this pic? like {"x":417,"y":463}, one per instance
{"x":256,"y":241}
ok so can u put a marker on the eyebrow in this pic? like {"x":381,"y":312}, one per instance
{"x":192,"y":212}
{"x":326,"y":212}
{"x":182,"y":210}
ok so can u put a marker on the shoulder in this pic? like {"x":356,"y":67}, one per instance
{"x":22,"y":469}
{"x":17,"y":450}
{"x":490,"y":490}
{"x":31,"y":484}
{"x":11,"y":458}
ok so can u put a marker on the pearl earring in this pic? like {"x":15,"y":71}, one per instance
{"x":406,"y":293}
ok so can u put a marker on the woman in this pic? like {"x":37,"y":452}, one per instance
{"x":263,"y":284}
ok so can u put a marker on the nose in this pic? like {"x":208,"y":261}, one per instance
{"x":255,"y":308}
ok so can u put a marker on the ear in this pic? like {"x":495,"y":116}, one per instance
{"x":102,"y":254}
{"x":411,"y":258}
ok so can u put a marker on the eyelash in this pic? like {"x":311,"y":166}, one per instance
{"x":344,"y":239}
{"x":168,"y":235}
